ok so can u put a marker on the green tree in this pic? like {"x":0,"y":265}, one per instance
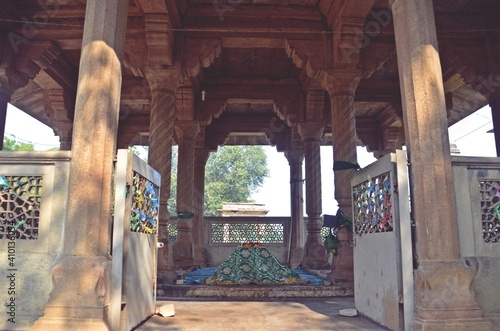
{"x":172,"y":201}
{"x":14,"y":145}
{"x":232,"y":174}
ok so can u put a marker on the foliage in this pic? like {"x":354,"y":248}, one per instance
{"x":172,"y":203}
{"x":233,"y":174}
{"x":140,"y":151}
{"x":14,"y":145}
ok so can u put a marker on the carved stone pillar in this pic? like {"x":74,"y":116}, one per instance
{"x":341,"y":90}
{"x":495,"y":117}
{"x":163,"y":84}
{"x":443,"y":284}
{"x":82,"y":277}
{"x":315,"y":253}
{"x":60,"y":105}
{"x":4,"y":101}
{"x":65,"y":136}
{"x":298,"y":229}
{"x":186,"y":132}
{"x":200,"y":160}
{"x":10,"y":81}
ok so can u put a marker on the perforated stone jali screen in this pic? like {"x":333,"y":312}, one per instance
{"x":20,"y":200}
{"x":490,"y":210}
{"x":238,"y":233}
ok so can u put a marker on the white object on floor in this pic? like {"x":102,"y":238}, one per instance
{"x":349,"y":312}
{"x":166,"y":310}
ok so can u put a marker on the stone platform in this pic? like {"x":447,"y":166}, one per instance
{"x":251,"y":292}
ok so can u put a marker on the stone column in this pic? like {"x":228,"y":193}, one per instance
{"x":186,"y":132}
{"x":443,"y":284}
{"x":200,"y":160}
{"x":10,"y":81}
{"x":65,"y":136}
{"x":81,"y":278}
{"x":315,"y":253}
{"x":495,"y":117}
{"x":162,"y":84}
{"x":298,"y":238}
{"x":344,"y":149}
{"x":4,"y":101}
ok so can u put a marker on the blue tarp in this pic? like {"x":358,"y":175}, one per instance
{"x":198,"y":276}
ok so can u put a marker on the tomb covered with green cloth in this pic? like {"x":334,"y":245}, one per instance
{"x":254,"y":265}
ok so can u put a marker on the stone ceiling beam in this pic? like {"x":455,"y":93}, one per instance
{"x":228,"y":12}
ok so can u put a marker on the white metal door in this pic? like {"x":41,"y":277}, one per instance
{"x":383,"y":269}
{"x":135,"y":230}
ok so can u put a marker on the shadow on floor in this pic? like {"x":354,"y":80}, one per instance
{"x":312,"y":314}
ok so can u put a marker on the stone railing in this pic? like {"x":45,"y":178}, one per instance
{"x":477,"y":190}
{"x":223,"y":234}
{"x":33,"y":195}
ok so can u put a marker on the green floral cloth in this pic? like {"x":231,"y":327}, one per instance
{"x":249,"y":265}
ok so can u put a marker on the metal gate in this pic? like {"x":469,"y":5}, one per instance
{"x":383,"y":269}
{"x":135,"y":225}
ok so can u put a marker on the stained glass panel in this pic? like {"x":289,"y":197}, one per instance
{"x":373,"y":206}
{"x":145,"y":205}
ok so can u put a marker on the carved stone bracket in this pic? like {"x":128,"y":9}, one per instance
{"x":198,"y":54}
{"x":310,"y":56}
{"x":10,"y":81}
{"x":47,"y":56}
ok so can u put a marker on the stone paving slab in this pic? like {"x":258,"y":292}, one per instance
{"x":312,"y":314}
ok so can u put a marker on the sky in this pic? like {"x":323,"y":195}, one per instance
{"x":470,"y":135}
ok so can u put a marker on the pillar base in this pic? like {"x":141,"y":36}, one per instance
{"x":445,"y":299}
{"x":343,"y":263}
{"x":183,"y":255}
{"x":296,"y":257}
{"x":316,"y":257}
{"x":199,"y":257}
{"x":80,"y":295}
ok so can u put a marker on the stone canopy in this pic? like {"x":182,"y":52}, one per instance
{"x":246,"y":68}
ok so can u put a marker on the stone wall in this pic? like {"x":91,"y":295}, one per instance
{"x":477,"y":187}
{"x":34,"y":203}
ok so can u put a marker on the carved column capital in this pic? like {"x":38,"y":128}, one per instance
{"x":186,"y":130}
{"x":162,"y":78}
{"x":294,"y":156}
{"x":342,"y":82}
{"x":311,"y":131}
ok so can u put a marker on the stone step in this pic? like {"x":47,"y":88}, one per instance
{"x":253,"y":291}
